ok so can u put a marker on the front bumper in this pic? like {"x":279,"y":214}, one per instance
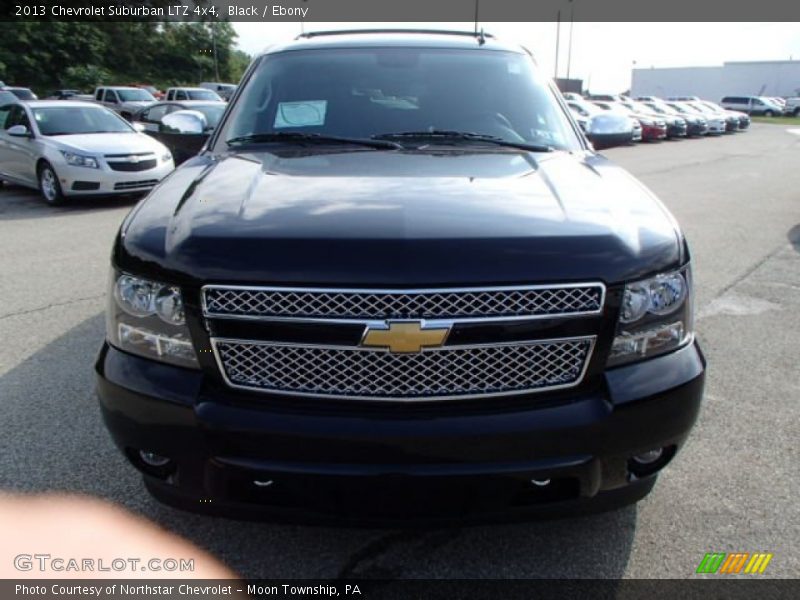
{"x":677,"y":130}
{"x":367,"y":463}
{"x":609,"y":140}
{"x":653,"y":133}
{"x":80,"y":181}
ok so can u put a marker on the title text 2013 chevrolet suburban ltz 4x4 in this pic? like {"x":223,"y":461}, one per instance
{"x":399,"y":284}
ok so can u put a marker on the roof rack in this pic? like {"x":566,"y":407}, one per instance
{"x":472,"y":34}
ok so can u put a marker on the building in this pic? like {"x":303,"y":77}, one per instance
{"x":569,"y":85}
{"x":756,"y":78}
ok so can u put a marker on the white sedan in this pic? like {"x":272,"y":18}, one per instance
{"x":67,"y":148}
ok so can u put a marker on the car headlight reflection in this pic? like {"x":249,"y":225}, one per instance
{"x":80,"y":160}
{"x":147,"y":318}
{"x":656,"y":316}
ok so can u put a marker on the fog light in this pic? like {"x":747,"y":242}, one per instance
{"x":540,"y":482}
{"x":649,"y":457}
{"x":153,"y":459}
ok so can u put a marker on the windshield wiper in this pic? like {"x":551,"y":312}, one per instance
{"x":293,"y":136}
{"x":444,"y":134}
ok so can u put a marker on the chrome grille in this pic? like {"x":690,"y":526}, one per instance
{"x":464,"y":303}
{"x":144,"y":165}
{"x":130,"y":185}
{"x":375,"y":374}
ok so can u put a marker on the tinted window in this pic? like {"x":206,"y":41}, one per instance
{"x":23,"y":93}
{"x":368,"y":91}
{"x":111,"y":96}
{"x":18,"y":116}
{"x":213,"y":113}
{"x":156,"y":113}
{"x":78,"y":119}
{"x":202,"y":95}
{"x":5,"y":111}
{"x":180,"y":95}
{"x":136,"y":95}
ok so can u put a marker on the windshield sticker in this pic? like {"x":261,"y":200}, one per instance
{"x":309,"y":113}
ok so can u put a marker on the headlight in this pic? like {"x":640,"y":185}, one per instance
{"x":147,"y":318}
{"x":79,"y":160}
{"x":166,"y":157}
{"x":655,"y":317}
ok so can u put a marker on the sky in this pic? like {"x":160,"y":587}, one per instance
{"x":603,"y":54}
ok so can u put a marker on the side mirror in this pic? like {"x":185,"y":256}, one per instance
{"x":188,"y":122}
{"x":19,"y":131}
{"x":139,"y":127}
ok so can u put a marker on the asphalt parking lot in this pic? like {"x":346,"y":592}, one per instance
{"x":734,"y":488}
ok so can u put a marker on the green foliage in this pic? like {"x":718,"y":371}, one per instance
{"x":84,"y":77}
{"x":51,"y":55}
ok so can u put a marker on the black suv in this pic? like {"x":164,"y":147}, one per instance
{"x":398,"y":283}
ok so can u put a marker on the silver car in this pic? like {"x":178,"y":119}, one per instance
{"x":68,"y":148}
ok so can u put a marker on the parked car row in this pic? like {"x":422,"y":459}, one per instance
{"x":66,"y":148}
{"x":610,"y":120}
{"x":118,"y":97}
{"x":119,"y":140}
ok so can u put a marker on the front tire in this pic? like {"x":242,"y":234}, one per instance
{"x":49,"y":185}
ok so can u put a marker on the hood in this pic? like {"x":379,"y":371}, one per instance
{"x":108,"y":143}
{"x":399,"y":218}
{"x":138,"y":103}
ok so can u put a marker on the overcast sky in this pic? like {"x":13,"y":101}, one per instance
{"x":602,"y":53}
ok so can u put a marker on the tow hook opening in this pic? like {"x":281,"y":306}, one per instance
{"x":151,"y":463}
{"x":653,"y":460}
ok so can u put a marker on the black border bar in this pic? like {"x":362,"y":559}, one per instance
{"x":388,"y":11}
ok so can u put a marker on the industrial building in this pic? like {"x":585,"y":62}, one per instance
{"x":756,"y":78}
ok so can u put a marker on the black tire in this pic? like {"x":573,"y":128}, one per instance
{"x":769,"y":113}
{"x":127,"y":116}
{"x":796,"y":112}
{"x":49,"y":186}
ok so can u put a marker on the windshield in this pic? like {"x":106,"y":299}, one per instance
{"x":585,"y":109}
{"x":135,"y":96}
{"x":202,"y":95}
{"x":23,"y":93}
{"x":639,"y":107}
{"x":701,"y":108}
{"x":68,"y":120}
{"x":682,"y":109}
{"x":655,"y":108}
{"x":365,"y":92}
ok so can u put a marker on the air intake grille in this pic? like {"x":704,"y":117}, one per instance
{"x":390,"y":304}
{"x":431,"y":374}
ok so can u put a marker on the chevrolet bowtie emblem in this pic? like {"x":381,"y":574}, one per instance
{"x":405,"y":336}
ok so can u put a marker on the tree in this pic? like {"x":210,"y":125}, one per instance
{"x":83,"y":54}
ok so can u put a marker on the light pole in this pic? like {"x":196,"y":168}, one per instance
{"x":569,"y":45}
{"x":558,"y":40}
{"x":214,"y":46}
